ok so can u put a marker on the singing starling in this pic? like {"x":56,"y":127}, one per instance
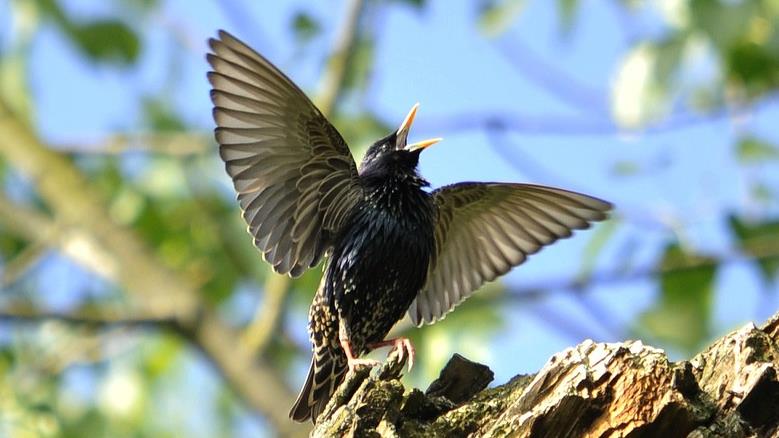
{"x":392,"y":246}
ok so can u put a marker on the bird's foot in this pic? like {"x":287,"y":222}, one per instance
{"x":403,"y":347}
{"x":353,"y":361}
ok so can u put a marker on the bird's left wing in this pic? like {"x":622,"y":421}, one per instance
{"x":295,"y":177}
{"x":484,"y":229}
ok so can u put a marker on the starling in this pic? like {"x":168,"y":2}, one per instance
{"x":392,"y":246}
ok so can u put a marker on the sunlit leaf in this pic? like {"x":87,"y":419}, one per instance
{"x":755,"y":150}
{"x":744,"y":35}
{"x":162,"y":356}
{"x":495,"y":16}
{"x":14,"y":89}
{"x":640,"y":93}
{"x":675,"y":12}
{"x":567,"y":10}
{"x":724,"y":22}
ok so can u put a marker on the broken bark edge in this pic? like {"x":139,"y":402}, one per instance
{"x":593,"y":389}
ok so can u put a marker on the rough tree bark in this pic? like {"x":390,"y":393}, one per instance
{"x":591,"y":390}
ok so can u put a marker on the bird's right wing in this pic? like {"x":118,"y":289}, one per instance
{"x":295,"y":177}
{"x":484,"y":229}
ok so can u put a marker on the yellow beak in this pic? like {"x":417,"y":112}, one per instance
{"x":423,"y":144}
{"x":405,"y":127}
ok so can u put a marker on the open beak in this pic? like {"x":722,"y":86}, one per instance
{"x":405,"y":127}
{"x":423,"y":144}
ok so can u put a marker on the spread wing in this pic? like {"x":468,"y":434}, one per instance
{"x":295,"y":177}
{"x":485,"y":229}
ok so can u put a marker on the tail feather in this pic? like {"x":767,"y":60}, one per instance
{"x":326,"y":372}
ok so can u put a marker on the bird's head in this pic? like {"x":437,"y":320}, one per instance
{"x":392,"y":154}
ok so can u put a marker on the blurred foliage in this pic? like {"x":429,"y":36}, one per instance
{"x":681,"y":317}
{"x":181,"y":208}
{"x":757,"y":239}
{"x":305,"y":27}
{"x":495,"y":16}
{"x":753,"y":150}
{"x":103,"y":40}
{"x":742,"y":37}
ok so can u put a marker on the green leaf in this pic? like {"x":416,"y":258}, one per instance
{"x":682,"y":314}
{"x":754,"y":67}
{"x":495,"y":16}
{"x":417,"y":4}
{"x":162,"y":356}
{"x":752,"y":150}
{"x":305,"y":27}
{"x":723,"y":22}
{"x":760,"y":240}
{"x":102,"y":40}
{"x":641,"y":91}
{"x":160,"y":116}
{"x":567,"y":11}
{"x":625,"y":168}
{"x":108,"y":41}
{"x":743,"y":34}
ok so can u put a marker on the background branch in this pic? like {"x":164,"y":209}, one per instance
{"x":160,"y":292}
{"x":555,"y":81}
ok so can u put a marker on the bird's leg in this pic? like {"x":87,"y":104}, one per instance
{"x":403,"y":345}
{"x":353,"y":361}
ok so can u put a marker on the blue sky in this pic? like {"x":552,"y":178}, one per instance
{"x":439,"y":58}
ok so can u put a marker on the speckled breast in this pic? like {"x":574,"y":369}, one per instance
{"x":378,"y":267}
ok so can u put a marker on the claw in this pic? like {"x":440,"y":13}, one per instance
{"x":353,"y":361}
{"x":402,"y":345}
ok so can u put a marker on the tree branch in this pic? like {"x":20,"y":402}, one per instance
{"x":593,"y":389}
{"x":171,"y":143}
{"x":555,"y":81}
{"x":90,"y":317}
{"x":332,"y":82}
{"x":754,"y":250}
{"x":160,"y":292}
{"x":557,"y":125}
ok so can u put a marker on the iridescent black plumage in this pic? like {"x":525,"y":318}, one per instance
{"x":378,"y":264}
{"x":393,"y":247}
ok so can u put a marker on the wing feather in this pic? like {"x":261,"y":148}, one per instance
{"x":295,"y":177}
{"x":485,"y":229}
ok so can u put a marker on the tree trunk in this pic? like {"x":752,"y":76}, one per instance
{"x":592,"y":390}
